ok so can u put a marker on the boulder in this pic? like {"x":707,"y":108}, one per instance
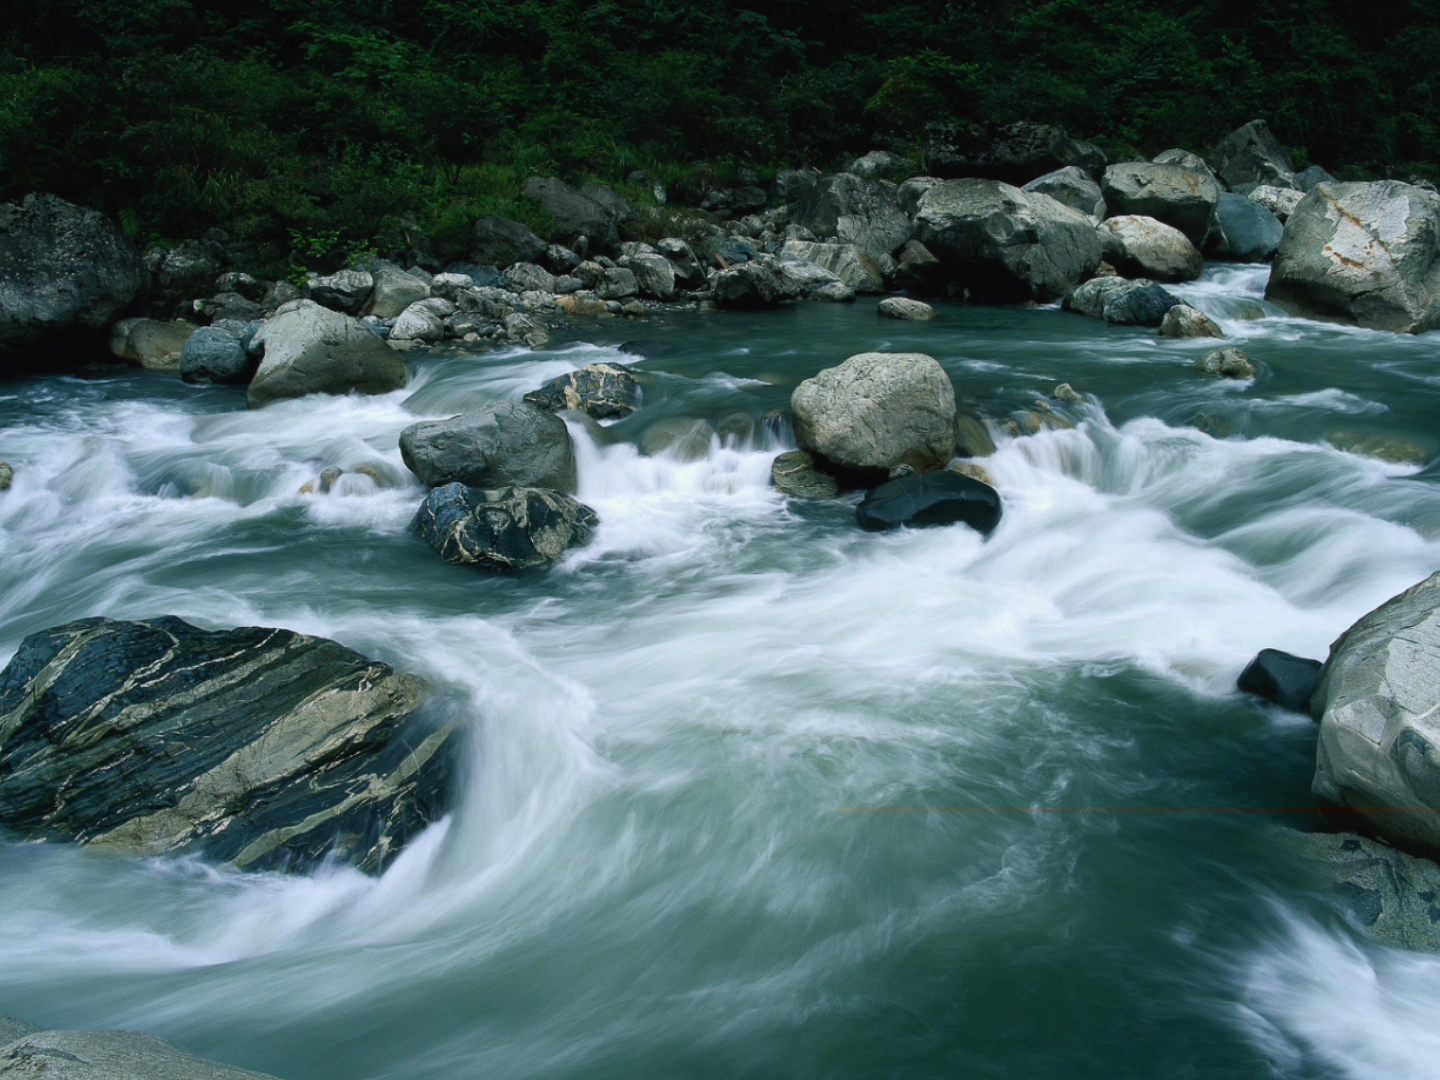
{"x":854,"y":210}
{"x":909,"y":194}
{"x":1227,"y":363}
{"x":688,"y":271}
{"x":524,"y":330}
{"x":604,"y":391}
{"x":756,"y":284}
{"x":258,"y":746}
{"x":1180,"y":197}
{"x":1016,"y":153}
{"x":150,"y":343}
{"x":7,"y":476}
{"x":498,"y":445}
{"x":794,"y":473}
{"x":1185,"y":159}
{"x":1121,"y":301}
{"x":876,"y":411}
{"x":237,"y":282}
{"x":65,"y":274}
{"x":1140,"y":246}
{"x":814,"y":282}
{"x":575,"y":215}
{"x":12,"y":1028}
{"x":793,"y":185}
{"x":945,"y":497}
{"x":616,"y":283}
{"x":1309,"y":179}
{"x":423,"y":320}
{"x":313,"y":350}
{"x":1074,"y":187}
{"x":611,"y":200}
{"x":108,"y":1055}
{"x":1279,"y":201}
{"x":394,"y":291}
{"x":189,"y":269}
{"x":1250,"y":156}
{"x":1245,"y":230}
{"x":902,"y":307}
{"x":215,"y":355}
{"x":1184,"y":321}
{"x":1365,"y":253}
{"x":880,"y":165}
{"x":511,"y":528}
{"x":1007,"y":244}
{"x":1282,"y":679}
{"x":1378,"y":704}
{"x":347,"y":291}
{"x":498,"y":241}
{"x":845,"y":261}
{"x":654,"y":275}
{"x":917,"y":269}
{"x":527,"y":277}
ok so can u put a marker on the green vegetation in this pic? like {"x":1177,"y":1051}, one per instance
{"x":361,"y":119}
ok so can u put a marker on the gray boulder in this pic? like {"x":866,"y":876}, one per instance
{"x":1016,"y":153}
{"x":512,"y":528}
{"x":680,"y":438}
{"x":108,"y":1055}
{"x":1227,"y":363}
{"x":1184,"y":321}
{"x":528,"y":277}
{"x":759,"y":283}
{"x":12,"y":1028}
{"x":854,"y":210}
{"x":1074,"y":187}
{"x":1245,"y":230}
{"x":394,"y":291}
{"x":880,"y":165}
{"x":604,"y":391}
{"x":1121,"y":301}
{"x":1140,"y":246}
{"x":7,"y":475}
{"x":793,"y":185}
{"x":1379,"y":710}
{"x":876,"y":411}
{"x":848,"y":262}
{"x":1250,"y":156}
{"x":347,"y":291}
{"x":654,"y":275}
{"x":794,"y":473}
{"x":575,"y":215}
{"x":1007,"y":244}
{"x":236,"y":281}
{"x":814,"y":281}
{"x":189,"y":269}
{"x":65,"y":274}
{"x":313,"y":350}
{"x":909,"y":194}
{"x":1185,"y":159}
{"x":1279,"y":201}
{"x":917,"y":269}
{"x":258,"y":746}
{"x":1180,"y":197}
{"x":507,"y":443}
{"x":1365,"y":253}
{"x":902,"y":307}
{"x":215,"y":355}
{"x":498,"y":241}
{"x":1309,"y":179}
{"x":616,"y":283}
{"x":688,"y":271}
{"x":151,"y":343}
{"x":423,"y":320}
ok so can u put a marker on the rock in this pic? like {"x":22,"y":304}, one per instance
{"x":616,"y":283}
{"x":347,"y":291}
{"x":524,"y":330}
{"x":1366,"y":253}
{"x":793,"y":473}
{"x":918,"y":269}
{"x":1391,"y":894}
{"x":108,"y":1055}
{"x":1251,"y":156}
{"x":1279,"y":201}
{"x":1068,"y":394}
{"x":1311,"y":178}
{"x":575,"y":215}
{"x":313,"y":350}
{"x":12,"y":1028}
{"x":499,"y":445}
{"x":1184,"y":321}
{"x":527,"y":277}
{"x":1379,"y":709}
{"x":1074,"y":187}
{"x":1005,"y":243}
{"x":423,"y":320}
{"x":1228,"y":363}
{"x":7,"y":476}
{"x":188,"y":270}
{"x":974,"y":470}
{"x":654,"y":275}
{"x":1015,"y":154}
{"x":230,"y":307}
{"x":611,"y":200}
{"x":846,"y":262}
{"x":902,"y":307}
{"x":150,"y":343}
{"x":498,"y":241}
{"x":937,"y":498}
{"x":1282,"y":679}
{"x":237,"y":282}
{"x":1246,"y":231}
{"x":880,"y":165}
{"x":876,"y":411}
{"x":580,"y":304}
{"x":756,"y":284}
{"x":687,"y":268}
{"x":511,"y":528}
{"x":451,"y":287}
{"x":1121,"y":301}
{"x":1180,"y":197}
{"x":682,"y":438}
{"x":215,"y":355}
{"x":1140,"y":246}
{"x":793,"y":185}
{"x":909,"y":194}
{"x":394,"y":291}
{"x":853,"y":210}
{"x":65,"y":274}
{"x":604,"y":391}
{"x":1185,"y":159}
{"x":814,"y":282}
{"x":259,"y":746}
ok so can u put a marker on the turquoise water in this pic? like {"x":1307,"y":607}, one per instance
{"x":676,"y":851}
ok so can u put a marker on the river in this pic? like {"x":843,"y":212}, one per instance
{"x":751,"y":792}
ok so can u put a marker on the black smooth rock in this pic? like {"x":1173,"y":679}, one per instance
{"x":934,"y":498}
{"x":1287,"y":681}
{"x":512,"y":528}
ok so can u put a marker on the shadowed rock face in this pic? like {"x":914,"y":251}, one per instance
{"x":260,"y":746}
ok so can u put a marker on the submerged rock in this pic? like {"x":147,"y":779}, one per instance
{"x":902,"y":307}
{"x":107,"y":1055}
{"x":1280,"y":678}
{"x":793,"y":473}
{"x":1227,"y":363}
{"x":313,"y":350}
{"x":1122,"y":302}
{"x":604,"y":391}
{"x":1184,"y":321}
{"x":945,"y":497}
{"x":259,"y":746}
{"x":7,"y":476}
{"x":498,"y":445}
{"x":511,"y":528}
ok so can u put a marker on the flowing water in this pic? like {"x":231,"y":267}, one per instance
{"x":724,"y":808}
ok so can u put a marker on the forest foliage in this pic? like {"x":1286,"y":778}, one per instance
{"x":290,"y":118}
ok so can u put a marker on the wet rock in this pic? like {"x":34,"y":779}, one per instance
{"x":504,"y":444}
{"x":1184,"y":321}
{"x":347,"y":291}
{"x":846,"y":262}
{"x":759,"y":283}
{"x":215,"y":355}
{"x":945,"y":497}
{"x":1121,"y":301}
{"x":1068,"y":394}
{"x":876,"y":411}
{"x":1379,"y":709}
{"x":682,"y":438}
{"x":603,"y":391}
{"x":510,"y":528}
{"x":575,"y":215}
{"x":12,"y":1028}
{"x":7,"y":476}
{"x":794,"y":473}
{"x":1074,"y":187}
{"x":1367,"y":253}
{"x":1245,"y":230}
{"x":1282,"y":679}
{"x":152,"y":344}
{"x":498,"y":241}
{"x":259,"y":746}
{"x":313,"y":350}
{"x":616,"y":283}
{"x":974,"y":470}
{"x":972,"y":436}
{"x":1279,"y":201}
{"x":1015,"y":154}
{"x":108,"y":1055}
{"x":1251,"y":156}
{"x":1227,"y":363}
{"x":1142,"y":247}
{"x":902,"y":307}
{"x":1182,"y":198}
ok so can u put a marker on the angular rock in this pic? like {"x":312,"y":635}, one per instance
{"x":152,"y":344}
{"x":527,"y":277}
{"x":512,"y":528}
{"x":1121,"y":301}
{"x":654,"y":275}
{"x":616,"y":283}
{"x":1245,"y":230}
{"x":1279,"y":201}
{"x":794,"y":473}
{"x":215,"y":355}
{"x":604,"y":391}
{"x":1184,"y":321}
{"x":945,"y":497}
{"x":687,"y":268}
{"x":845,"y":261}
{"x":876,"y":411}
{"x":188,"y":270}
{"x":503,"y":444}
{"x":1005,"y":243}
{"x":1074,"y":187}
{"x":575,"y":215}
{"x":918,"y":270}
{"x":394,"y":291}
{"x":1308,"y":180}
{"x":1379,"y":709}
{"x":347,"y":291}
{"x":1015,"y":154}
{"x":909,"y":194}
{"x":1180,"y":197}
{"x":423,"y":320}
{"x":880,"y":165}
{"x":902,"y":307}
{"x":814,"y":282}
{"x":853,"y":210}
{"x":756,"y":284}
{"x":1367,"y":253}
{"x":108,"y":1055}
{"x":313,"y":350}
{"x":793,"y":185}
{"x":259,"y":746}
{"x":1251,"y":156}
{"x":498,"y":241}
{"x":242,"y":283}
{"x":1227,"y":363}
{"x":524,"y":330}
{"x":1140,"y":246}
{"x":1185,"y":159}
{"x":1282,"y":679}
